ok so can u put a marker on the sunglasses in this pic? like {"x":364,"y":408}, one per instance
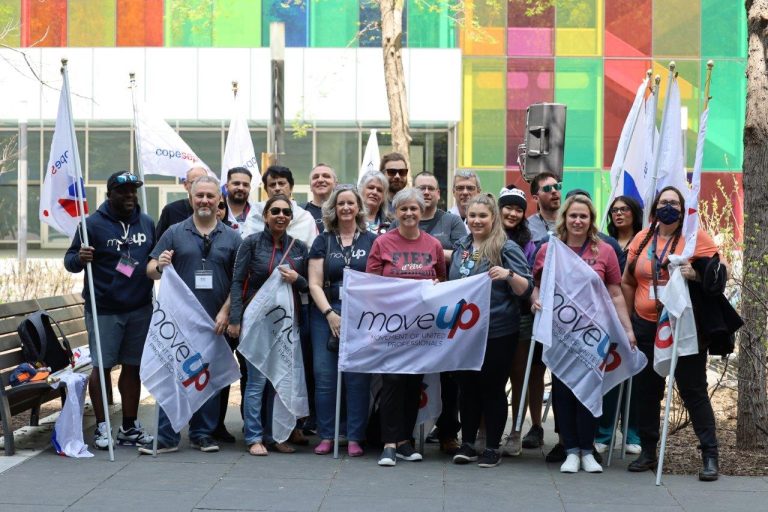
{"x":222,"y":206}
{"x":619,"y":209}
{"x":277,"y":211}
{"x":550,"y":188}
{"x":126,"y":178}
{"x":402,"y":172}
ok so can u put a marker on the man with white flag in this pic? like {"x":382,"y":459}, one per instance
{"x":161,"y":150}
{"x":186,"y":359}
{"x":371,"y":157}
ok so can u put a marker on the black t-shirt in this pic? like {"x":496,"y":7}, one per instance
{"x":317,"y":214}
{"x":335,"y":261}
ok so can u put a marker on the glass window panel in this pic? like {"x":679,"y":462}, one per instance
{"x":140,"y":23}
{"x":676,"y":28}
{"x":482,"y":132}
{"x":207,"y":146}
{"x":622,"y":78}
{"x":578,"y":84}
{"x":486,"y":33}
{"x":430,"y":27}
{"x":724,"y":148}
{"x":48,"y":135}
{"x":189,"y":23}
{"x":9,"y":141}
{"x":237,"y":23}
{"x":108,"y":152}
{"x":594,"y":181}
{"x":723,"y":29}
{"x":298,"y":156}
{"x":528,"y":81}
{"x":33,"y":213}
{"x":94,"y":21}
{"x":8,"y":220}
{"x":579,"y":28}
{"x":45,"y":24}
{"x":152,"y":208}
{"x":628,"y":28}
{"x":10,"y":16}
{"x":334,"y":23}
{"x":34,"y":163}
{"x":293,"y":14}
{"x":340,"y":151}
{"x":529,"y":34}
{"x":369,"y":35}
{"x":491,"y":181}
{"x":259,"y":139}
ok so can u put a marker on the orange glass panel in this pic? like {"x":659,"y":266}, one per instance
{"x":44,"y":23}
{"x":140,"y":23}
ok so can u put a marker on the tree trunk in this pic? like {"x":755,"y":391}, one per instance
{"x":394,"y":76}
{"x":752,"y":422}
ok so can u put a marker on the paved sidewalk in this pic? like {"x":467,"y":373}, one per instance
{"x":234,"y":480}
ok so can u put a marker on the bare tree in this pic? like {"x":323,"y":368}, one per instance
{"x":394,"y":76}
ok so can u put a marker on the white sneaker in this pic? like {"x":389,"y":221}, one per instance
{"x":102,"y":436}
{"x":601,"y":447}
{"x":513,"y":446}
{"x":634,"y":449}
{"x":589,"y":464}
{"x":571,"y":464}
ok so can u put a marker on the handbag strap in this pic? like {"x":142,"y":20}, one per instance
{"x":326,"y":280}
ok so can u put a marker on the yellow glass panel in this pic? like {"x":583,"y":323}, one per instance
{"x":579,"y":29}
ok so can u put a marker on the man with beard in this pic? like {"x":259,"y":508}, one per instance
{"x":177,"y":211}
{"x":238,"y":190}
{"x":395,"y":168}
{"x":545,"y":190}
{"x":121,"y":239}
{"x":322,"y":180}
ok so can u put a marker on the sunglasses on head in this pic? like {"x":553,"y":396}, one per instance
{"x":345,"y":186}
{"x":402,"y":172}
{"x":550,"y":188}
{"x":275,"y":210}
{"x":126,"y":178}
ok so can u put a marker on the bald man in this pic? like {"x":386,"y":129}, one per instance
{"x":180,"y":210}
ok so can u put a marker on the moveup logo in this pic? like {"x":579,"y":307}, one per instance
{"x":461,"y":316}
{"x":188,"y":367}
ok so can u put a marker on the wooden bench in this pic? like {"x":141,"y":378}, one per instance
{"x":68,"y":311}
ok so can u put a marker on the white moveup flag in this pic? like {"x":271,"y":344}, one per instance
{"x":269,"y":339}
{"x":396,"y":325}
{"x":238,"y":150}
{"x":59,"y":205}
{"x":162,"y":151}
{"x":371,"y":158}
{"x":691,"y":219}
{"x":430,"y":403}
{"x":184,"y":362}
{"x":585,"y":345}
{"x":675,"y":323}
{"x":670,"y":162}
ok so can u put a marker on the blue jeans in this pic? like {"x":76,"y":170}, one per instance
{"x":202,"y":424}
{"x":254,"y":395}
{"x":605,"y":424}
{"x":325,"y":368}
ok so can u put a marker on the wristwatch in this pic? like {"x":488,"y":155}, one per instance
{"x":158,"y":269}
{"x":328,"y":311}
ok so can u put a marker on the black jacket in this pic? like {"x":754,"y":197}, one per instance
{"x":716,"y":320}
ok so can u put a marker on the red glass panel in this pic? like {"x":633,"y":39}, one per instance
{"x":622,"y":78}
{"x":628,"y":28}
{"x":528,"y":81}
{"x":140,"y":23}
{"x":44,"y":23}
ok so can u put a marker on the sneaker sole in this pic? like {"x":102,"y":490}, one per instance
{"x":463,"y":459}
{"x":211,"y":449}
{"x":412,"y":458}
{"x":387,"y":463}
{"x":128,"y":442}
{"x":489,"y":464}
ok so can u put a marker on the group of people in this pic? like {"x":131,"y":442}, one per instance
{"x":225,"y":248}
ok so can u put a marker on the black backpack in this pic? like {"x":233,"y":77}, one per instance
{"x":39,"y":344}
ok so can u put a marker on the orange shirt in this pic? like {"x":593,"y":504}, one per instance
{"x":645,"y":304}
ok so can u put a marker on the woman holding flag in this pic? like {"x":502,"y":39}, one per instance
{"x":644,"y":279}
{"x":487,"y":250}
{"x":257,"y":258}
{"x":576,"y":228}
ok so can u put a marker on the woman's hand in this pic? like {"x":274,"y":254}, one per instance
{"x":233,"y":330}
{"x":632,"y":339}
{"x":498,"y":273}
{"x":535,"y":306}
{"x":334,"y":322}
{"x":688,"y":271}
{"x":289,"y":275}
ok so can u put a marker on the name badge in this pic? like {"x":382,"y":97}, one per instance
{"x":126,"y":266}
{"x":204,"y":280}
{"x":660,"y":287}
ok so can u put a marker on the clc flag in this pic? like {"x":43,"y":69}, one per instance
{"x":585,"y":345}
{"x":161,"y":149}
{"x":59,"y":204}
{"x":676,"y":323}
{"x":691,"y":219}
{"x":238,"y":151}
{"x":184,"y":361}
{"x":670,"y":168}
{"x":269,"y":340}
{"x":371,"y":158}
{"x":396,"y":325}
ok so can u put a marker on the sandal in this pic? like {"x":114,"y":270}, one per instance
{"x":258,"y":449}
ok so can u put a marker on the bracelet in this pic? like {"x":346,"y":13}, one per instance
{"x":510,"y":275}
{"x":158,"y":269}
{"x":328,"y":312}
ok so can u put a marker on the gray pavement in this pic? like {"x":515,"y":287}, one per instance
{"x":234,"y":480}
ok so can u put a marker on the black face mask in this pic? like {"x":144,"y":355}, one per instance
{"x":668,"y":214}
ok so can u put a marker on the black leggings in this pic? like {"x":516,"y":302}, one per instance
{"x":483,"y":394}
{"x":399,"y":406}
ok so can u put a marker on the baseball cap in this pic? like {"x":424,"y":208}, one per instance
{"x":123,"y":178}
{"x":578,"y":192}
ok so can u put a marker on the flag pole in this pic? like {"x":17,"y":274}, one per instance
{"x":137,"y":139}
{"x":338,"y":414}
{"x":615,"y":424}
{"x":524,"y":391}
{"x":79,"y":190}
{"x":657,"y":159}
{"x":667,"y":406}
{"x":626,"y":418}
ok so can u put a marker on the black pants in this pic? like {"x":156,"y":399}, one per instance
{"x":448,"y":423}
{"x":399,"y":406}
{"x":576,"y":423}
{"x":483,"y":394}
{"x":691,"y":380}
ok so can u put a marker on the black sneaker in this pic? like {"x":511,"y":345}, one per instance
{"x":222,"y":434}
{"x":489,"y":459}
{"x":534,"y":438}
{"x":465,"y":455}
{"x":204,"y":444}
{"x":406,"y":452}
{"x":388,"y":457}
{"x":556,"y":454}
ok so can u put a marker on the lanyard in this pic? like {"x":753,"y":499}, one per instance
{"x":657,"y":260}
{"x":347,"y":252}
{"x":583,"y":247}
{"x":207,"y":241}
{"x":125,"y":240}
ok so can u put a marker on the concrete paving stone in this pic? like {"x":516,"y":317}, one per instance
{"x":392,"y":503}
{"x":405,"y":483}
{"x":522,"y":499}
{"x":28,"y":488}
{"x":589,"y":488}
{"x":724,"y":483}
{"x":603,"y":507}
{"x":123,"y":500}
{"x":167,"y":476}
{"x":31,"y":508}
{"x":226,"y":455}
{"x":255,"y":494}
{"x":696,"y":500}
{"x":291,"y":466}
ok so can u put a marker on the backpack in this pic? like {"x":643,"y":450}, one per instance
{"x":39,"y":344}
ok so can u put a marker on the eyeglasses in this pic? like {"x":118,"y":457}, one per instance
{"x":465,"y":188}
{"x":126,"y":178}
{"x":345,"y":186}
{"x":550,"y":188}
{"x":277,"y":211}
{"x":401,"y":172}
{"x":667,"y":202}
{"x":619,"y":209}
{"x":427,"y":188}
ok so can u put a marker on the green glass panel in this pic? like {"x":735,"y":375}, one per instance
{"x":340,"y":151}
{"x":483,"y":129}
{"x":724,"y":146}
{"x":108,"y":152}
{"x":298,"y":156}
{"x":189,"y":23}
{"x":333,"y":23}
{"x":8,"y":220}
{"x":594,"y":181}
{"x":579,"y":85}
{"x":207,"y":145}
{"x":723,"y":29}
{"x":237,"y":23}
{"x":430,"y":25}
{"x":91,"y":22}
{"x":10,"y":16}
{"x":677,"y":28}
{"x":491,"y":181}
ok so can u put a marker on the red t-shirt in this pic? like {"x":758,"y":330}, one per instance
{"x":393,"y":255}
{"x":604,"y":263}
